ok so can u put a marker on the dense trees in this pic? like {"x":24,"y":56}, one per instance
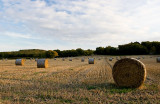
{"x":132,"y":49}
{"x":135,"y":48}
{"x":73,"y":53}
{"x":51,"y":54}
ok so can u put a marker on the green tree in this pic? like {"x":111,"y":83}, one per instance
{"x":51,"y":54}
{"x":153,"y":50}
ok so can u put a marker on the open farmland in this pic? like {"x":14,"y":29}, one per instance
{"x":74,"y":82}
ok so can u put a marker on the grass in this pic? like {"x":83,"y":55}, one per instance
{"x":120,"y":90}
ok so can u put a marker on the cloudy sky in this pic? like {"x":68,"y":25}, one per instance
{"x":71,"y":24}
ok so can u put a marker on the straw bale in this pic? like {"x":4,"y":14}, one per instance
{"x":129,"y":72}
{"x":158,"y":59}
{"x":42,"y":63}
{"x":110,"y":59}
{"x":36,"y":59}
{"x":91,"y":61}
{"x":20,"y":62}
{"x":82,"y":59}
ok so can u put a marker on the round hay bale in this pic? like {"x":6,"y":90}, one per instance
{"x":91,"y":61}
{"x":138,"y":58}
{"x":36,"y":59}
{"x":20,"y":62}
{"x":158,"y":59}
{"x":42,"y":63}
{"x":129,"y":72}
{"x":82,"y":59}
{"x":70,"y":59}
{"x":110,"y":59}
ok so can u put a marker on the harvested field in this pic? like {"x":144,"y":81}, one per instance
{"x":74,"y":82}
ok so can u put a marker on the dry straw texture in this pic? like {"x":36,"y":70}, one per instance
{"x":91,"y":61}
{"x":158,"y":59}
{"x":129,"y":72}
{"x":42,"y":63}
{"x":20,"y":62}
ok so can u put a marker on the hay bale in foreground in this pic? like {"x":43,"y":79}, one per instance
{"x":158,"y":59}
{"x":91,"y":60}
{"x":82,"y":59}
{"x":42,"y":63}
{"x":20,"y":62}
{"x":129,"y":72}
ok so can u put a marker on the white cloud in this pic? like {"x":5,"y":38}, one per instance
{"x":17,"y":35}
{"x":86,"y":22}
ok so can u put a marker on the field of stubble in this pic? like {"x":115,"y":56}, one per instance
{"x":74,"y":82}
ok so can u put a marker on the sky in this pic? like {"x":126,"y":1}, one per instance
{"x":72,"y":24}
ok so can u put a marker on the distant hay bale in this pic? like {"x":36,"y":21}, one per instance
{"x":110,"y":59}
{"x":42,"y":63}
{"x":36,"y":59}
{"x":70,"y":59}
{"x":20,"y":62}
{"x":91,"y":61}
{"x":129,"y":72}
{"x":158,"y":59}
{"x":82,"y":59}
{"x":138,"y":58}
{"x":117,"y":58}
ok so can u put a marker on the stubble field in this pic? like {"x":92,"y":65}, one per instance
{"x":74,"y":82}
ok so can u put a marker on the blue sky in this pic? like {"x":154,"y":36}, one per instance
{"x":71,"y":24}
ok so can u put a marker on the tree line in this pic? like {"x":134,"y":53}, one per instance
{"x":133,"y":48}
{"x":36,"y":53}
